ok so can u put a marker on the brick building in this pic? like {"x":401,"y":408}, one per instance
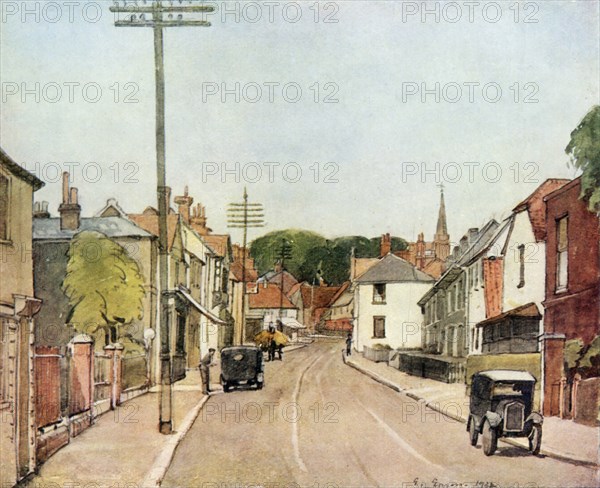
{"x":572,"y":303}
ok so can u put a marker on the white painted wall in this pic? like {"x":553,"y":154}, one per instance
{"x":403,"y":319}
{"x":535,"y":266}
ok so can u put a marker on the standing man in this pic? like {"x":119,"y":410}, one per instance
{"x":349,"y":345}
{"x":205,"y":364}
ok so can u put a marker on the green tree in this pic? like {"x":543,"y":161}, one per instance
{"x":105,"y":289}
{"x":313,"y":255}
{"x":584,"y":150}
{"x":266,"y":249}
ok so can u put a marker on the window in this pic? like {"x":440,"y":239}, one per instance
{"x":4,"y":234}
{"x":521,"y":249}
{"x":180,"y":339}
{"x":562,"y":253}
{"x":461,"y":294}
{"x":379,"y":293}
{"x":379,"y":327}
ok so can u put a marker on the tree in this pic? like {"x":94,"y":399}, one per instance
{"x":584,"y":150}
{"x":105,"y":289}
{"x":312,"y":255}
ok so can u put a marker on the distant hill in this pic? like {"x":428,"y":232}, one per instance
{"x":312,"y":254}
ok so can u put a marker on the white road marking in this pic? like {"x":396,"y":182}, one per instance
{"x":295,"y":442}
{"x":397,"y":439}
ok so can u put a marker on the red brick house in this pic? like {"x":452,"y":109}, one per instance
{"x":572,"y":304}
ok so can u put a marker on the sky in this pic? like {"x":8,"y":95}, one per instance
{"x":340,"y":117}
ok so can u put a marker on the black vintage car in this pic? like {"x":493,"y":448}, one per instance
{"x":501,"y":406}
{"x":242,"y":366}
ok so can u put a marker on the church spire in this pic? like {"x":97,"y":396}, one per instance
{"x":441,"y":231}
{"x":441,"y":240}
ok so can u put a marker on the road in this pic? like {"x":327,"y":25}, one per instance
{"x":320,"y":423}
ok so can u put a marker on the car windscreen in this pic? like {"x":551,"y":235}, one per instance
{"x":511,"y":389}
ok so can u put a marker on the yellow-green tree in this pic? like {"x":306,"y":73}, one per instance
{"x":105,"y":289}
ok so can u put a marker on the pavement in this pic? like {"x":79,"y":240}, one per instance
{"x":124,"y":448}
{"x":562,"y":439}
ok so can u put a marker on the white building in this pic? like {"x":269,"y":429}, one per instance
{"x":385,"y":304}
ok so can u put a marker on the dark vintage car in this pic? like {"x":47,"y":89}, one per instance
{"x":242,"y":366}
{"x":501,"y":406}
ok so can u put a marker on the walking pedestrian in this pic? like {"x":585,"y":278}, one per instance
{"x":272,"y":348}
{"x":205,"y":365}
{"x":349,"y":345}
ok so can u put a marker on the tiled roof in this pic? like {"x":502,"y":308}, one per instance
{"x":527,"y":311}
{"x":392,"y":269}
{"x":276,"y":276}
{"x":237,"y":271}
{"x":317,"y":296}
{"x":269,"y":296}
{"x":149,"y":221}
{"x":536,"y":208}
{"x":109,"y":226}
{"x":218,"y":243}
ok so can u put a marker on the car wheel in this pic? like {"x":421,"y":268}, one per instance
{"x":259,"y":385}
{"x":535,"y":439}
{"x":490,"y":439}
{"x":473,"y":434}
{"x":226,"y":387}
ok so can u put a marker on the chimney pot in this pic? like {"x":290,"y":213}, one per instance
{"x":73,"y":196}
{"x":65,"y":187}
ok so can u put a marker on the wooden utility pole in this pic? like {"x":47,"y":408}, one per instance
{"x":244,"y":216}
{"x":157,"y":16}
{"x":285,"y":252}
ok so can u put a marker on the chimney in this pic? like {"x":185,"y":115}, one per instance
{"x":198,"y":220}
{"x":69,"y":209}
{"x":473,"y":234}
{"x":40,"y":210}
{"x":464,"y":243}
{"x":420,"y":251}
{"x":184,"y":205}
{"x":386,"y":245}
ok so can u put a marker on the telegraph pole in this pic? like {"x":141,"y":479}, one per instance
{"x":153,"y":15}
{"x":285,"y":252}
{"x":244,"y":216}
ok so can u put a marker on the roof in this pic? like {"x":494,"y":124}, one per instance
{"x":111,"y":209}
{"x":392,"y":269}
{"x":19,"y":172}
{"x":218,"y":243}
{"x":237,"y":272}
{"x":507,"y":375}
{"x":269,"y":296}
{"x":148,"y":220}
{"x":289,"y":280}
{"x":340,"y":292}
{"x":317,"y":296}
{"x":486,"y":235}
{"x":534,"y":204}
{"x":562,"y":189}
{"x":109,"y":226}
{"x":527,"y":311}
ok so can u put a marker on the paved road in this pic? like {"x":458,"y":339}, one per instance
{"x":320,"y":423}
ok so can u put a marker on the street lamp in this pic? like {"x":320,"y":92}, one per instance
{"x":156,"y":15}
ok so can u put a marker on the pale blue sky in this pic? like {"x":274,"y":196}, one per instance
{"x":368,"y":54}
